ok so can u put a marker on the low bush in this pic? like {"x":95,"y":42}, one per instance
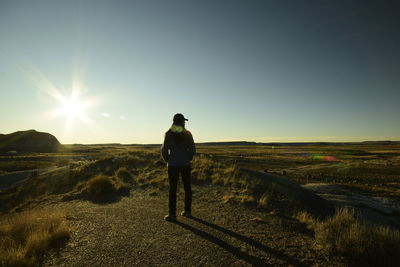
{"x":99,"y":185}
{"x":25,"y":237}
{"x":124,"y":175}
{"x":102,"y":187}
{"x":362,"y":244}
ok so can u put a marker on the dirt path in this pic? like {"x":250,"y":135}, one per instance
{"x":132,"y":232}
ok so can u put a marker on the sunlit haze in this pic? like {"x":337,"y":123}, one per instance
{"x":266,"y":71}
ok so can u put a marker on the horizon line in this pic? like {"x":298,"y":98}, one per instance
{"x":244,"y":142}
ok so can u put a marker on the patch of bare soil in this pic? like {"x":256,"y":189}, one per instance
{"x":133,"y":232}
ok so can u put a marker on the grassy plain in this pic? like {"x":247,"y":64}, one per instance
{"x":102,"y":173}
{"x":371,"y":168}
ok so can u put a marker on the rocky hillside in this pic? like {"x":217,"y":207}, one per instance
{"x":29,"y":141}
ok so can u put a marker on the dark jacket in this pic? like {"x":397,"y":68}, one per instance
{"x":178,"y":153}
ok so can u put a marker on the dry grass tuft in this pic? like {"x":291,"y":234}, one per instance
{"x":263,"y":202}
{"x":258,"y":219}
{"x":362,"y":244}
{"x":242,"y":199}
{"x":228,"y":199}
{"x":99,"y":185}
{"x":101,"y":188}
{"x":25,"y":237}
{"x":307,"y":219}
{"x":124,"y":175}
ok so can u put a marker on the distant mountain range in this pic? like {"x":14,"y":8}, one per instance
{"x":29,"y":141}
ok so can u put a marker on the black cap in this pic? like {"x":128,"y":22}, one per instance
{"x":179,"y":118}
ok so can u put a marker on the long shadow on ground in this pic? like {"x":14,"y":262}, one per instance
{"x":255,"y":261}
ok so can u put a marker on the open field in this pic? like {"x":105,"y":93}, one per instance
{"x":371,"y":168}
{"x":375,"y":167}
{"x":105,"y":174}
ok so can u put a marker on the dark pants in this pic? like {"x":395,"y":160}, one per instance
{"x":173,"y":176}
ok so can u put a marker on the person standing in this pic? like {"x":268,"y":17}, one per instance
{"x":178,"y":151}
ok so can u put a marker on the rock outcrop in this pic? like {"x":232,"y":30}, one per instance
{"x":29,"y":141}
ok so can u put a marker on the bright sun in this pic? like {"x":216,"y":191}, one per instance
{"x":72,"y":108}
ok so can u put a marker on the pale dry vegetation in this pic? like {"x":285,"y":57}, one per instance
{"x":25,"y":237}
{"x":71,"y":179}
{"x":243,"y":188}
{"x":360,"y":243}
{"x":124,"y":174}
{"x":142,"y":167}
{"x":371,"y":168}
{"x":208,"y":170}
{"x":106,"y":173}
{"x":103,"y":188}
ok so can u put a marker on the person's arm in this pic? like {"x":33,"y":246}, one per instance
{"x":165,"y":149}
{"x":192,"y":147}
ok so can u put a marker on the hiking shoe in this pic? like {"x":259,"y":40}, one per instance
{"x":186,"y":214}
{"x":170,"y":218}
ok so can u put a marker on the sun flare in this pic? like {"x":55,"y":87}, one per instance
{"x":72,"y":108}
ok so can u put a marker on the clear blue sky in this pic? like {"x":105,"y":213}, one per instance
{"x":239,"y":70}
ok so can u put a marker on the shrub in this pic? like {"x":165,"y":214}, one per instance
{"x":25,"y":237}
{"x":98,"y":186}
{"x":361,"y":244}
{"x":366,"y":244}
{"x":101,"y":187}
{"x":124,"y":175}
